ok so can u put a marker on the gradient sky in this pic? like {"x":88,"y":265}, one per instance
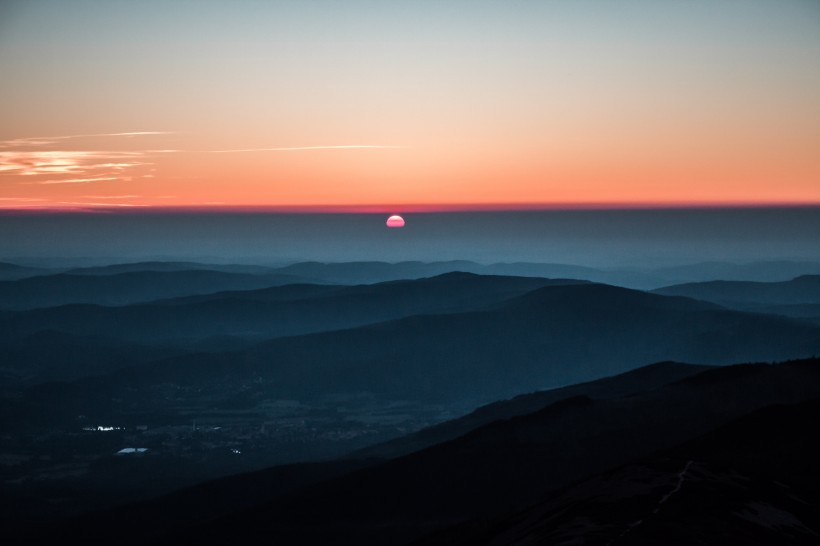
{"x":412,"y":105}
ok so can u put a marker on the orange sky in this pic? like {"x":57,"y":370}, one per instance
{"x":448,"y":104}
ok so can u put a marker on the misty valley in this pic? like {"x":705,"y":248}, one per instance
{"x":410,"y":402}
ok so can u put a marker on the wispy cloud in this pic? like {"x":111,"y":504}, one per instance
{"x":56,"y":162}
{"x":20,"y":158}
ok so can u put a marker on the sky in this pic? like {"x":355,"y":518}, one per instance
{"x":411,"y":106}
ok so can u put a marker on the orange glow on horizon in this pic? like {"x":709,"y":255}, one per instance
{"x":389,"y":209}
{"x":384,"y":179}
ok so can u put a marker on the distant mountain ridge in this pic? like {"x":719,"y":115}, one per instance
{"x":532,"y":342}
{"x":123,"y":288}
{"x":646,"y":277}
{"x":163,"y":266}
{"x":12,"y":272}
{"x":801,"y":290}
{"x":277,"y":311}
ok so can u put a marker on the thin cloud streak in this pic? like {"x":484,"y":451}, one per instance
{"x":110,"y":196}
{"x":301,"y":148}
{"x":84,"y":204}
{"x":45,"y":141}
{"x":75,"y":180}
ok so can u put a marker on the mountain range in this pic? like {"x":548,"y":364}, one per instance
{"x":411,"y":403}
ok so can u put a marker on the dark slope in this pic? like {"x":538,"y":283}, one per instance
{"x":630,"y":278}
{"x":625,"y":384}
{"x":745,"y":295}
{"x":23,"y":516}
{"x":806,"y":311}
{"x":278,"y":311}
{"x":56,"y":356}
{"x":12,"y":272}
{"x":553,"y":336}
{"x":123,"y":288}
{"x":510,"y":464}
{"x":496,"y":469}
{"x":752,"y":482}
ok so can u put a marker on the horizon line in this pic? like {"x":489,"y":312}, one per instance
{"x":406,"y":208}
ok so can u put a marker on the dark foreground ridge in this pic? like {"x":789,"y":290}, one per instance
{"x":752,"y":482}
{"x":494,"y":481}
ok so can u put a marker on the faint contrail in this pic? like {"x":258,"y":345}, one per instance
{"x":299,"y":148}
{"x":44,"y":141}
{"x":72,"y":181}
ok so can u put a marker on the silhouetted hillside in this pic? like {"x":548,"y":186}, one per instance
{"x":552,"y":336}
{"x":370,"y":272}
{"x":636,"y":277}
{"x":760,"y":271}
{"x":123,"y":288}
{"x":275,"y":312}
{"x":752,"y":482}
{"x":640,"y":380}
{"x":12,"y":272}
{"x":158,"y":266}
{"x":47,"y":355}
{"x":750,"y":295}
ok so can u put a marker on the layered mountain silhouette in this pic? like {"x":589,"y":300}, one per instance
{"x":213,"y":369}
{"x":123,"y":288}
{"x":275,"y":312}
{"x":163,"y":266}
{"x":551,"y":336}
{"x":643,"y":278}
{"x":48,"y":355}
{"x":759,"y":271}
{"x":373,"y":272}
{"x":800,"y":291}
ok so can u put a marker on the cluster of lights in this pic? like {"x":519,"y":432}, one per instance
{"x":101,"y":429}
